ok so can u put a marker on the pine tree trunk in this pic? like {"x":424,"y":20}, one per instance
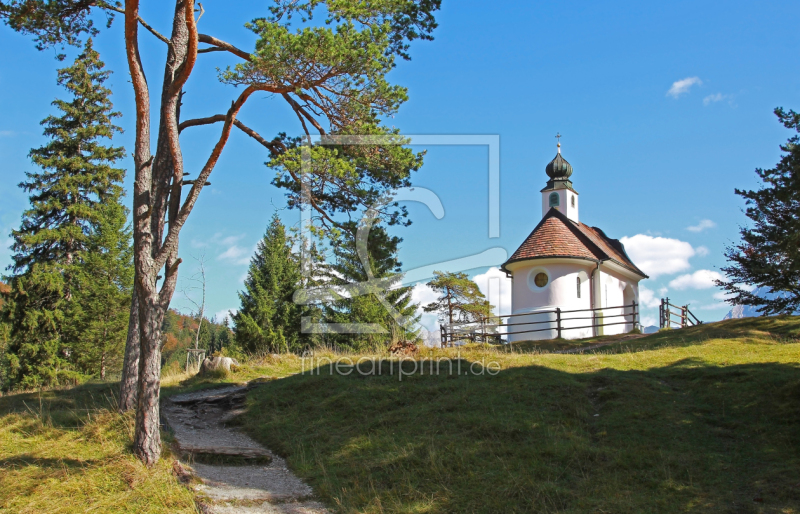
{"x":156,"y":196}
{"x":103,"y":367}
{"x":128,"y":387}
{"x":147,"y":440}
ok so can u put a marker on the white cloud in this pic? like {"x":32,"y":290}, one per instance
{"x":682,"y":86}
{"x":704,"y":224}
{"x":721,"y":295}
{"x":700,"y":279}
{"x":7,"y":133}
{"x":712,"y":307}
{"x":497,"y":289}
{"x":225,"y":313}
{"x":648,"y":298}
{"x":663,"y":291}
{"x":422,"y":294}
{"x":493,"y":284}
{"x":702,"y":251}
{"x":237,"y":255}
{"x":648,"y":321}
{"x":658,"y":255}
{"x":718,"y":97}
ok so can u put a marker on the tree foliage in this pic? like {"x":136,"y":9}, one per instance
{"x":460,"y":299}
{"x":77,"y":173}
{"x":370,"y":291}
{"x":331,"y":71}
{"x":98,"y":313}
{"x":71,"y":241}
{"x":269,"y":320}
{"x":768,"y":256}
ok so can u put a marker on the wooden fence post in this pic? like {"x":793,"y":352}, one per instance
{"x":558,"y":322}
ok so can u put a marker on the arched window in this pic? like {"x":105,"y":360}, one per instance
{"x":578,"y":279}
{"x":573,"y":200}
{"x":554,"y":200}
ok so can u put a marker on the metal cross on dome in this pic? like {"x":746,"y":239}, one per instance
{"x":558,"y":137}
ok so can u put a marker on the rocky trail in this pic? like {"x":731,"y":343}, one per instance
{"x":232,"y":473}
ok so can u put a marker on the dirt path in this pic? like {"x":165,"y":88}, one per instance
{"x":236,"y":474}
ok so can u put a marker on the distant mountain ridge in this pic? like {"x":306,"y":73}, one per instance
{"x":749,"y":311}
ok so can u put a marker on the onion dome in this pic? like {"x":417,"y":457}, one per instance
{"x":559,"y":168}
{"x":559,"y":171}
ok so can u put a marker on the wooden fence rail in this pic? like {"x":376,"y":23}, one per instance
{"x":488,"y":329}
{"x":666,"y":316}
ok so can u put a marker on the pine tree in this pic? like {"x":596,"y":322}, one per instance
{"x":77,"y":178}
{"x":98,"y":312}
{"x":363,"y":304}
{"x":269,"y":319}
{"x":460,"y":299}
{"x":768,"y":255}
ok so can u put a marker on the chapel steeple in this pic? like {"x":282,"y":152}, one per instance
{"x":559,"y":193}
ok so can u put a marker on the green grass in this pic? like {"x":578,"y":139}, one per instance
{"x":65,"y":451}
{"x":705,"y":419}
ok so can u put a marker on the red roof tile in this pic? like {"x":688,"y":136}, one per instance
{"x":558,"y":236}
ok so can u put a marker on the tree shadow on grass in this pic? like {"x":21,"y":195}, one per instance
{"x":65,"y":407}
{"x":21,"y":461}
{"x":687,"y":436}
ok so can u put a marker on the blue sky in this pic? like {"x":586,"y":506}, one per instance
{"x":648,"y":163}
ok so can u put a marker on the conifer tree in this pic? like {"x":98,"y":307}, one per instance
{"x":269,"y":319}
{"x":768,"y":255}
{"x":365,"y":306}
{"x":460,"y":299}
{"x":77,"y":169}
{"x":67,"y":195}
{"x":98,"y":312}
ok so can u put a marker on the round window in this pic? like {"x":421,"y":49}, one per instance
{"x":538,"y":279}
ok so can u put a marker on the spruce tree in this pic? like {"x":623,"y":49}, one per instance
{"x":77,"y":169}
{"x":67,"y":195}
{"x":367,"y":306}
{"x":768,"y":255}
{"x":98,"y":312}
{"x":269,"y":320}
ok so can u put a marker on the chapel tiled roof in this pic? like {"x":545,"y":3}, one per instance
{"x":558,"y":236}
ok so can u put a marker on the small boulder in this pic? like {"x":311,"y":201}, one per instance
{"x":211,"y":364}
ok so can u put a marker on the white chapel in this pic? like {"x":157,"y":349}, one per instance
{"x":567,"y":265}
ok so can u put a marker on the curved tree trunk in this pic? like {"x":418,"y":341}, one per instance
{"x":128,"y":388}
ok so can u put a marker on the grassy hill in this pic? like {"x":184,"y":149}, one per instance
{"x":705,"y":419}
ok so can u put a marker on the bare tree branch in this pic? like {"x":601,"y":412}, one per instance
{"x":272,"y":146}
{"x":203,"y":38}
{"x":153,"y":31}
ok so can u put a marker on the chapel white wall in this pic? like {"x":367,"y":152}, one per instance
{"x":613,"y":292}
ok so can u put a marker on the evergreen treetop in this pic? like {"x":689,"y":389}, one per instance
{"x":77,"y":169}
{"x":269,"y":319}
{"x":768,"y":256}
